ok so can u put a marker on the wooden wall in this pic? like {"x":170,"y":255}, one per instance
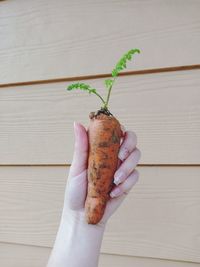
{"x":44,"y":45}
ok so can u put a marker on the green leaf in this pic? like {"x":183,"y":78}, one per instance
{"x":81,"y":86}
{"x":133,"y":51}
{"x":108,"y":83}
{"x":114,"y":73}
{"x":124,"y":65}
{"x":93,"y":90}
{"x":128,"y":56}
{"x":122,"y":61}
{"x":119,"y":68}
{"x":121,"y":64}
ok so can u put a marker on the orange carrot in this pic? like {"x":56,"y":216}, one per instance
{"x":104,"y":141}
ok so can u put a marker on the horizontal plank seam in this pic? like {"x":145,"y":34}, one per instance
{"x":102,"y":253}
{"x":24,"y":244}
{"x":68,"y":165}
{"x":148,"y":257}
{"x":104,"y":75}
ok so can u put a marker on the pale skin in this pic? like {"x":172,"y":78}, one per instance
{"x":77,"y":243}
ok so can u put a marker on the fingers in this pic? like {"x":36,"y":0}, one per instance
{"x":79,"y":163}
{"x":126,"y":186}
{"x":127,"y":167}
{"x":128,"y":145}
{"x":119,"y":163}
{"x":118,"y":197}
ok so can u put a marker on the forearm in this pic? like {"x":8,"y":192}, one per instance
{"x":77,"y":244}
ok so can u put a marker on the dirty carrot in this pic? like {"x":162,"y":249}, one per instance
{"x":104,"y":135}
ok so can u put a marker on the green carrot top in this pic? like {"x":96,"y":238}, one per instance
{"x":121,"y":64}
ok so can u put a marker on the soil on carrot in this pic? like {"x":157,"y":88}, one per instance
{"x":100,"y":111}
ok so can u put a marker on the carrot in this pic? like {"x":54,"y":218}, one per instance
{"x":104,"y":136}
{"x":104,"y":141}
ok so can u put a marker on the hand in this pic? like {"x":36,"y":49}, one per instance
{"x":78,"y":242}
{"x":125,"y":177}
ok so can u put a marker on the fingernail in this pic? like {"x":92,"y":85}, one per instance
{"x":118,"y":177}
{"x":116,"y":192}
{"x":123,"y":154}
{"x":123,"y":129}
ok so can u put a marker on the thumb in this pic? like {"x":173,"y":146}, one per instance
{"x":77,"y":184}
{"x":80,"y":157}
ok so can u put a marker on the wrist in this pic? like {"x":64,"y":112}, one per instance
{"x":76,"y":219}
{"x":76,"y":237}
{"x":89,"y":236}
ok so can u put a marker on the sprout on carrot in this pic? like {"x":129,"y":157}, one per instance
{"x":121,"y":65}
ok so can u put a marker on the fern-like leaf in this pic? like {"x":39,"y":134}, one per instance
{"x":85,"y":87}
{"x":108,"y":83}
{"x":81,"y":86}
{"x":121,"y":64}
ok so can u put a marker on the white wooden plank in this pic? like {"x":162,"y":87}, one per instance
{"x":31,"y":203}
{"x":48,"y":39}
{"x":159,"y":219}
{"x":31,"y":256}
{"x":14,"y":255}
{"x":107,"y":260}
{"x":36,"y":122}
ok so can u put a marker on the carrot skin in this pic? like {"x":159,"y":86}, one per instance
{"x":104,"y":141}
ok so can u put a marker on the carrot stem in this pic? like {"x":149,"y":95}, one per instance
{"x":104,"y":102}
{"x":108,"y":96}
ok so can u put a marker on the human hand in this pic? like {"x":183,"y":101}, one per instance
{"x":125,"y":177}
